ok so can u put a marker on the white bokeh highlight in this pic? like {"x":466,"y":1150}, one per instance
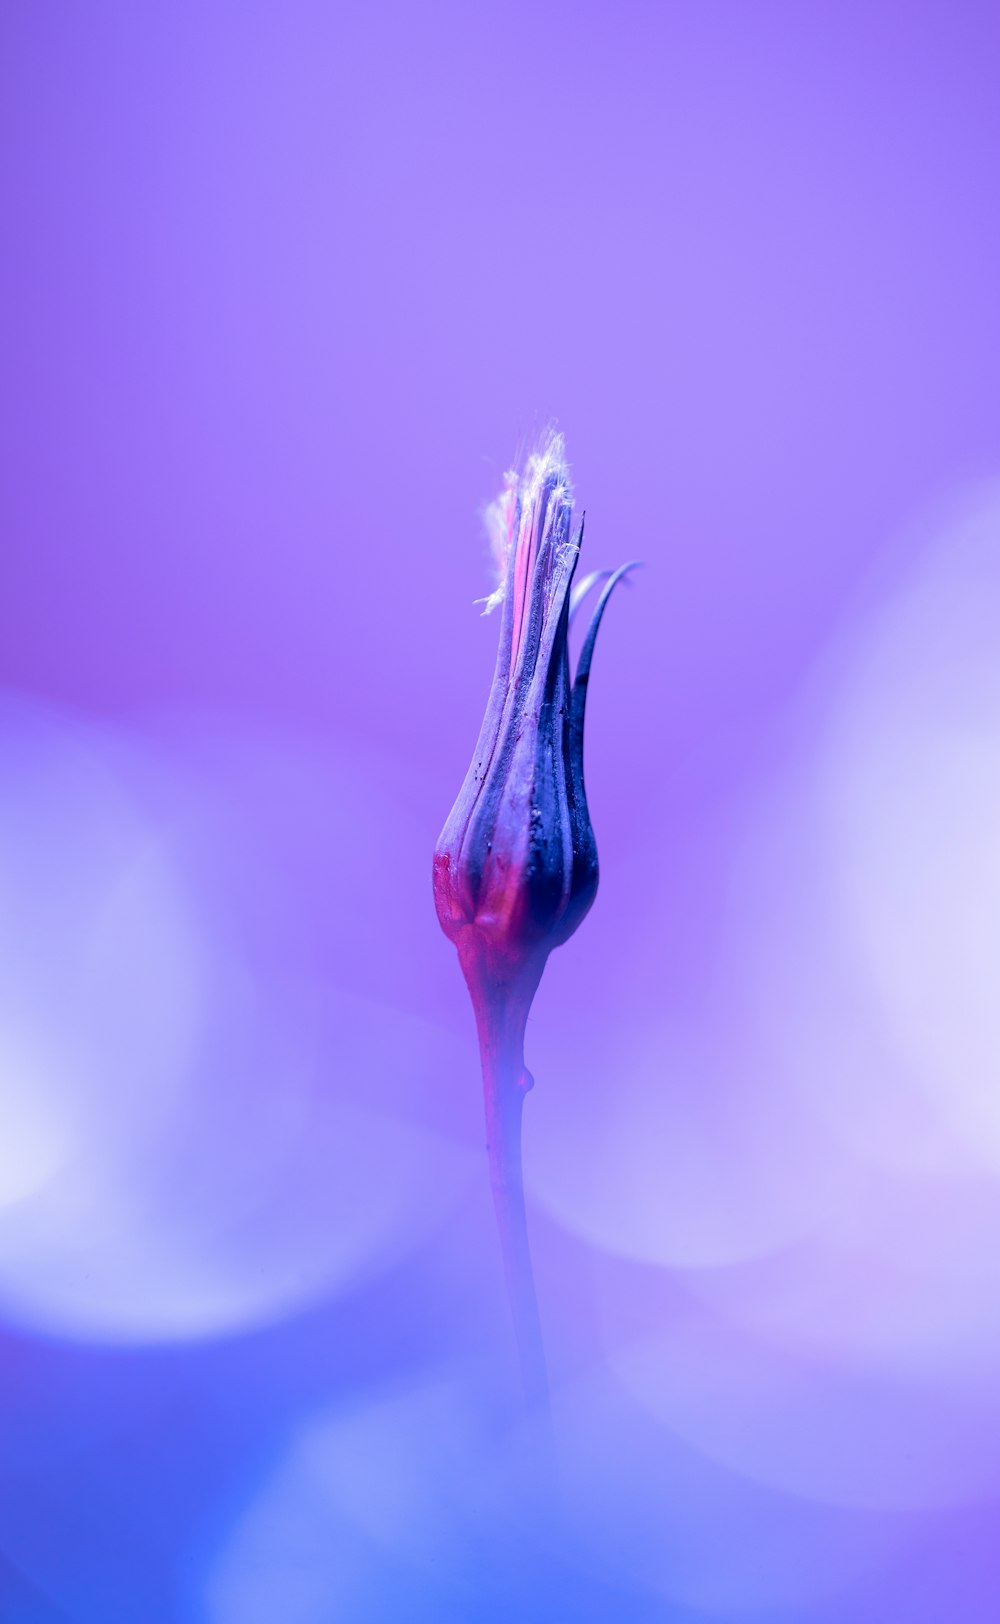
{"x":193,"y":1143}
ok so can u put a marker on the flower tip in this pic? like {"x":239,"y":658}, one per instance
{"x":545,"y":471}
{"x":547,"y":466}
{"x":495,"y":598}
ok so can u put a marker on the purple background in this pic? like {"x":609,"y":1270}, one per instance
{"x":285,"y":288}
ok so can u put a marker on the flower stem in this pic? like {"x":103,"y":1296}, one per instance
{"x":502,"y":1002}
{"x":504,"y":1101}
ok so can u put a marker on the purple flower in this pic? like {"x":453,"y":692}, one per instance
{"x":515,"y":869}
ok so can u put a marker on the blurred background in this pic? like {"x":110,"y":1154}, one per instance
{"x":284,"y":291}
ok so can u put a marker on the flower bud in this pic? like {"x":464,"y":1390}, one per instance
{"x":515,"y":869}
